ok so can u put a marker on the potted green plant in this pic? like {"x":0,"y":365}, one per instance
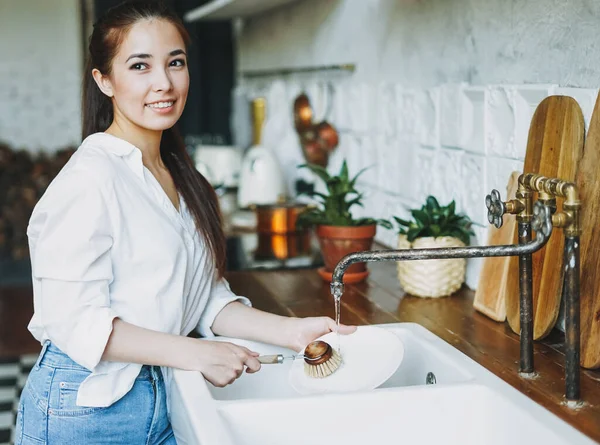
{"x":433,"y":226}
{"x":338,"y":232}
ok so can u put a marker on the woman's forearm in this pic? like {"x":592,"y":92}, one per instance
{"x":219,"y":362}
{"x":133,"y":344}
{"x":240,"y":321}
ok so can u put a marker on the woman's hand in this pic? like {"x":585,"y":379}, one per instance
{"x":221,"y":363}
{"x":301,"y":331}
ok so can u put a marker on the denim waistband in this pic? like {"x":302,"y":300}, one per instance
{"x":52,"y":356}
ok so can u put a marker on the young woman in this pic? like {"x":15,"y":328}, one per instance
{"x":128,"y":255}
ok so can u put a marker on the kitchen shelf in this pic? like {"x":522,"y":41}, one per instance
{"x":229,"y":9}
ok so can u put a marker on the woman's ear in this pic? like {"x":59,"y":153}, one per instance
{"x":103,"y":82}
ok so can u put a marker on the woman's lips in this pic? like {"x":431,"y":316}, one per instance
{"x":162,"y":107}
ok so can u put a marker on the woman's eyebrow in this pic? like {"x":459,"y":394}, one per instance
{"x":139,"y":56}
{"x":175,"y":52}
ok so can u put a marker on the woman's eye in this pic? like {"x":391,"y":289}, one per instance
{"x":139,"y":66}
{"x":178,"y":62}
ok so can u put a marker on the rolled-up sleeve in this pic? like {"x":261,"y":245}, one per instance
{"x":220,"y":296}
{"x":70,"y":242}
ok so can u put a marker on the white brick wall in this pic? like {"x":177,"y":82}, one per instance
{"x":40,"y":74}
{"x":456,"y":141}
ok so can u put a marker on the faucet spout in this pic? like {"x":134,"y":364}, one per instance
{"x":435,"y":253}
{"x":541,"y":223}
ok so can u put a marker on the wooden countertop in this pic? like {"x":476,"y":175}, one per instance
{"x":380,"y":299}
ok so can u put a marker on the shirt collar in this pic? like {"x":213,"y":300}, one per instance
{"x":120,"y":147}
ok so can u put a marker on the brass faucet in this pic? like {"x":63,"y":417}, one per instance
{"x":541,"y":217}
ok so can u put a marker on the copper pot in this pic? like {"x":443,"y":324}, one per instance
{"x":282,"y":247}
{"x":278,"y":218}
{"x":327,"y":136}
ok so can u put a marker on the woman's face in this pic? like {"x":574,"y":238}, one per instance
{"x":149,"y":79}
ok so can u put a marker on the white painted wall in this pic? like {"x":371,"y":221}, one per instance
{"x":443,"y":93}
{"x":40,"y":74}
{"x":428,"y":42}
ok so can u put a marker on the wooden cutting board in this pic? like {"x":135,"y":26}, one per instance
{"x":554,"y":148}
{"x":490,"y":293}
{"x":588,"y":182}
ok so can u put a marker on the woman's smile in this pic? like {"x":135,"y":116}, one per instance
{"x":162,"y":107}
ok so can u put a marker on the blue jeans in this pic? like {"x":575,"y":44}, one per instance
{"x":47,"y":412}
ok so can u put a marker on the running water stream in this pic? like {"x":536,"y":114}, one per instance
{"x":336,"y":291}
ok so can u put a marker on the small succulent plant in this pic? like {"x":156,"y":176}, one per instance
{"x":435,"y":220}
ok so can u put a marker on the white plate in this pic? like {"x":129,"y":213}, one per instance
{"x":370,"y":356}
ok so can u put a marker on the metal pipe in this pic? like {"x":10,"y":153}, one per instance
{"x":430,"y":254}
{"x":525,"y":302}
{"x":348,"y":67}
{"x":572,"y":318}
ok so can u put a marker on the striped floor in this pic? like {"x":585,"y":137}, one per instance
{"x":13,"y":374}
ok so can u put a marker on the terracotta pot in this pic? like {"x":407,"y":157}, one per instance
{"x":336,"y":242}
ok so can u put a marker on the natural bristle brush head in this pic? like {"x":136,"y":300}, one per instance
{"x":321,"y":360}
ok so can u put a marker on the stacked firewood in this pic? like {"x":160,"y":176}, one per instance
{"x":23,"y":179}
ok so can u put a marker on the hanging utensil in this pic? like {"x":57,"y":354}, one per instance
{"x":327,"y":136}
{"x":303,"y":113}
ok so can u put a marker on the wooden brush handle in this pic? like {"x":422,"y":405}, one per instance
{"x":271,"y":359}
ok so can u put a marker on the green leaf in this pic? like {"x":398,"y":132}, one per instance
{"x":384,"y":223}
{"x":313,"y":195}
{"x":461,"y":235}
{"x":432,"y":203}
{"x":451,"y":208}
{"x":435,"y":230}
{"x":354,"y":201}
{"x":319,"y":195}
{"x":344,"y":172}
{"x":318,"y":170}
{"x":353,"y":181}
{"x":414,"y":233}
{"x":310,"y":218}
{"x":421,"y":217}
{"x":364,"y":221}
{"x":401,"y":222}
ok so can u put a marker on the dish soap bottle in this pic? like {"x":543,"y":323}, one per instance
{"x":261,"y":178}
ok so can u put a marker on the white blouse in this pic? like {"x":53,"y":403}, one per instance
{"x":105,"y":241}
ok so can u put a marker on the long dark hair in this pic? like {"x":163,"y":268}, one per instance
{"x":197,"y":192}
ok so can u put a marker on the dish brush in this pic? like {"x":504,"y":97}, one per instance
{"x":320,"y":359}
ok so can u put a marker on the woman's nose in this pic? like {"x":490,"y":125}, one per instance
{"x":161,"y":81}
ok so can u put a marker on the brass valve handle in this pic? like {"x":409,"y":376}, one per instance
{"x":496,"y":208}
{"x":542,"y":219}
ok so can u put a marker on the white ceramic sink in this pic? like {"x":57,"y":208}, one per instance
{"x":421,"y":356}
{"x":467,"y":405}
{"x":461,"y":415}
